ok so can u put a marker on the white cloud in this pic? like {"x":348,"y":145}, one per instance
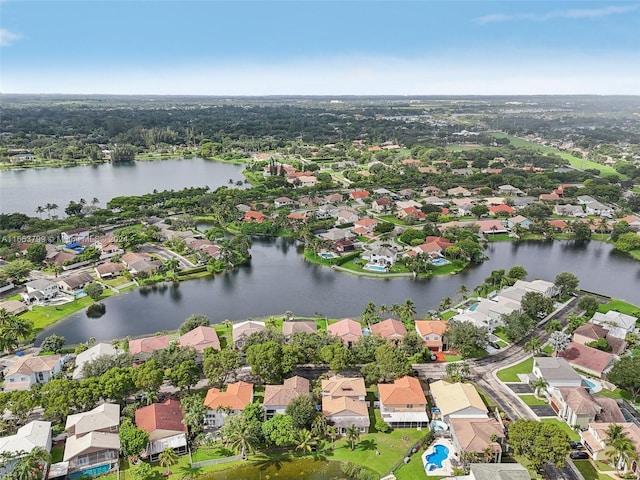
{"x":542,"y":17}
{"x":357,"y":75}
{"x":7,"y":38}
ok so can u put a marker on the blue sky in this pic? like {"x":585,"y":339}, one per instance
{"x":326,"y":47}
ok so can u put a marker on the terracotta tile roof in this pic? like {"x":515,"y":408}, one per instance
{"x":427,"y":327}
{"x":586,"y":357}
{"x":344,"y":405}
{"x":579,"y":400}
{"x":344,"y":387}
{"x":591,"y":330}
{"x":389,"y":329}
{"x":200,"y":338}
{"x":474,"y":434}
{"x":559,"y":224}
{"x":283,"y":394}
{"x":289,"y":328}
{"x":366,"y":222}
{"x":610,"y":410}
{"x":502,"y":208}
{"x":403,"y":391}
{"x":359,"y":194}
{"x":148,"y":344}
{"x":161,"y":416}
{"x":237,"y":396}
{"x":345,"y":328}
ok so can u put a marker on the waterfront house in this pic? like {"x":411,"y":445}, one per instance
{"x":383,"y":256}
{"x":520,"y":221}
{"x":390,"y":329}
{"x":343,"y":403}
{"x":592,"y":332}
{"x":164,"y":424}
{"x":40,"y":290}
{"x":73,"y":284}
{"x":229,"y":402}
{"x":28,"y":371}
{"x":403,"y":403}
{"x":142,"y":348}
{"x":91,"y":354}
{"x":14,"y":307}
{"x":278,"y":397}
{"x":298,"y":326}
{"x":200,"y":338}
{"x":108,"y":269}
{"x":457,"y":400}
{"x":347,"y":329}
{"x":243,"y":330}
{"x":140,"y":263}
{"x":35,"y":434}
{"x":619,"y":325}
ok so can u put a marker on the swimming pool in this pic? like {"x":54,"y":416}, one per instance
{"x":327,"y":255}
{"x":375,"y":268}
{"x":439,"y":454}
{"x":473,"y":307}
{"x":438,"y":262}
{"x":91,"y":472}
{"x":594,"y":386}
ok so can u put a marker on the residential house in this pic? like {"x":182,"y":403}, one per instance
{"x":35,"y":434}
{"x":75,"y":235}
{"x":502,"y":209}
{"x":412,"y":213}
{"x":556,"y":371}
{"x":519,"y":221}
{"x":458,"y":192}
{"x":548,"y":289}
{"x":364,"y":226}
{"x":432,"y":333}
{"x":333,"y":198}
{"x":496,"y":471}
{"x":381,"y":205}
{"x":595,"y":441}
{"x":403,"y":204}
{"x":510,"y":191}
{"x":597,"y":208}
{"x":40,"y":290}
{"x":435,"y":191}
{"x":93,"y":353}
{"x":490,"y":227}
{"x":488,"y":313}
{"x":590,"y":360}
{"x":521,"y":202}
{"x":343,"y":403}
{"x":108,"y":270}
{"x":337,"y":234}
{"x":403,"y":404}
{"x":633,"y":221}
{"x":140,"y":263}
{"x":278,"y":397}
{"x":92,"y":442}
{"x":438,"y":202}
{"x":457,"y":400}
{"x":478,"y":435}
{"x":14,"y":307}
{"x":200,"y":338}
{"x":347,"y":329}
{"x":283,"y":202}
{"x":576,"y":406}
{"x":164,"y":424}
{"x":308,"y":181}
{"x":464,"y":209}
{"x":74,"y":284}
{"x":253,"y":216}
{"x":592,"y":332}
{"x":142,"y":348}
{"x":230,"y":402}
{"x":28,"y":371}
{"x":359,"y":195}
{"x":569,"y":210}
{"x":298,"y":326}
{"x":108,"y":248}
{"x":618,"y":324}
{"x":390,"y":329}
{"x":381,"y":256}
{"x":243,"y":330}
{"x":346,"y":216}
{"x":549,"y":197}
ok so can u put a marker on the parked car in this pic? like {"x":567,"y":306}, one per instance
{"x":576,"y":445}
{"x":579,"y":456}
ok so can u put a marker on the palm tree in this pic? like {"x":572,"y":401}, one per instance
{"x":539,"y":386}
{"x":239,"y":435}
{"x":533,"y":346}
{"x":40,"y":210}
{"x":463,"y":291}
{"x":622,"y":452}
{"x":167,"y":458}
{"x":408,"y":309}
{"x":30,"y":466}
{"x":445,"y":303}
{"x":353,"y":435}
{"x":95,"y":201}
{"x":559,"y":342}
{"x":53,"y":206}
{"x":304,"y":440}
{"x":332,"y":433}
{"x":319,"y":427}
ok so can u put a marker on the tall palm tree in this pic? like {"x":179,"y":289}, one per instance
{"x":539,"y":386}
{"x":332,"y":433}
{"x":533,"y":346}
{"x":463,"y":291}
{"x":319,"y":427}
{"x":623,"y":452}
{"x":304,"y":441}
{"x":238,"y":434}
{"x":408,"y":309}
{"x":353,"y":435}
{"x":40,"y":210}
{"x":167,"y":458}
{"x":445,"y":303}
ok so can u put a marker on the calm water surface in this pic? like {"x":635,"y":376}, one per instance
{"x":23,"y":190}
{"x":279,"y":279}
{"x":294,"y":469}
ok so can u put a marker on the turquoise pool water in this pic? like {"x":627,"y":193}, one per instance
{"x":438,"y":262}
{"x":327,"y":255}
{"x":439,"y":454}
{"x":91,"y":472}
{"x":473,"y":307}
{"x":375,"y":268}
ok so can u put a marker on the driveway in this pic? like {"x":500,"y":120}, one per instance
{"x":543,"y":410}
{"x":519,"y":387}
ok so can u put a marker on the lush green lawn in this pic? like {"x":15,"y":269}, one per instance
{"x":57,"y":453}
{"x":564,"y":426}
{"x":452,"y":358}
{"x":502,"y":343}
{"x":448,"y":314}
{"x":392,"y":447}
{"x":617,"y":393}
{"x":499,"y":332}
{"x":202,"y":454}
{"x":619,"y":306}
{"x":510,"y":374}
{"x":45,"y":316}
{"x":116,"y":281}
{"x":487,"y":401}
{"x":589,"y":471}
{"x":532,"y":400}
{"x":498,"y":237}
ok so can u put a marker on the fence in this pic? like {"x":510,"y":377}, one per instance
{"x":215,"y":461}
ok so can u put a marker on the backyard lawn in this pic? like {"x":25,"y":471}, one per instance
{"x":564,"y":426}
{"x":619,"y":306}
{"x":510,"y":374}
{"x":45,"y":316}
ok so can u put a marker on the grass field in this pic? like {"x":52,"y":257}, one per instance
{"x":532,"y":400}
{"x":619,"y":306}
{"x":589,"y":471}
{"x":45,"y":316}
{"x":564,"y":426}
{"x":575,"y":162}
{"x":510,"y":374}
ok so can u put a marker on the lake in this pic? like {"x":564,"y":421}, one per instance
{"x":291,"y":469}
{"x":23,"y":190}
{"x":279,"y":279}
